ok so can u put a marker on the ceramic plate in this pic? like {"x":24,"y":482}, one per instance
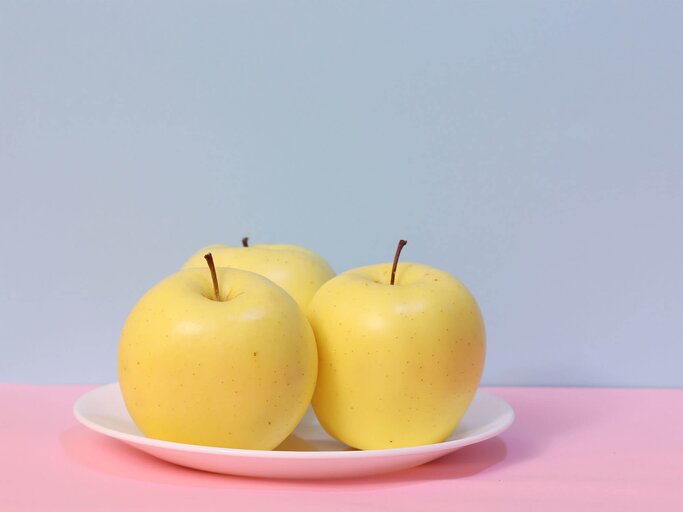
{"x":308,"y":453}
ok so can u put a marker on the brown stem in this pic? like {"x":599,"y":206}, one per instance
{"x":245,"y":241}
{"x":399,"y":248}
{"x":209,"y":260}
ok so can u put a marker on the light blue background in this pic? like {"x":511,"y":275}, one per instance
{"x":534,"y":149}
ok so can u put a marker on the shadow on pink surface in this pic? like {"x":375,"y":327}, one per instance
{"x":114,"y":458}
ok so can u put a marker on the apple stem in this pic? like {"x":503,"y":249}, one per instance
{"x":209,"y":260}
{"x":399,"y":248}
{"x":245,"y":241}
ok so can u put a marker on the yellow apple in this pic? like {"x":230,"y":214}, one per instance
{"x":299,"y":271}
{"x":398,"y":363}
{"x":235,"y":366}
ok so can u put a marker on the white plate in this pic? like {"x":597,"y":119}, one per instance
{"x":308,"y":453}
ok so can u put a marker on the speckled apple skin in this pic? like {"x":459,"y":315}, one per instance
{"x":398,"y":365}
{"x":236,"y":373}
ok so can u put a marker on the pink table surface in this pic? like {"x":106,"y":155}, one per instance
{"x":569,"y":449}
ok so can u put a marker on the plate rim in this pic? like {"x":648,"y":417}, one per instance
{"x":498,"y":426}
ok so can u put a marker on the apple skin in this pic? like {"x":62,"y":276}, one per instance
{"x":397,"y":365}
{"x":237,"y":373}
{"x":299,"y":271}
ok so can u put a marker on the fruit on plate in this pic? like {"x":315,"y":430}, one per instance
{"x":217,"y":357}
{"x":299,"y":271}
{"x":401,"y":352}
